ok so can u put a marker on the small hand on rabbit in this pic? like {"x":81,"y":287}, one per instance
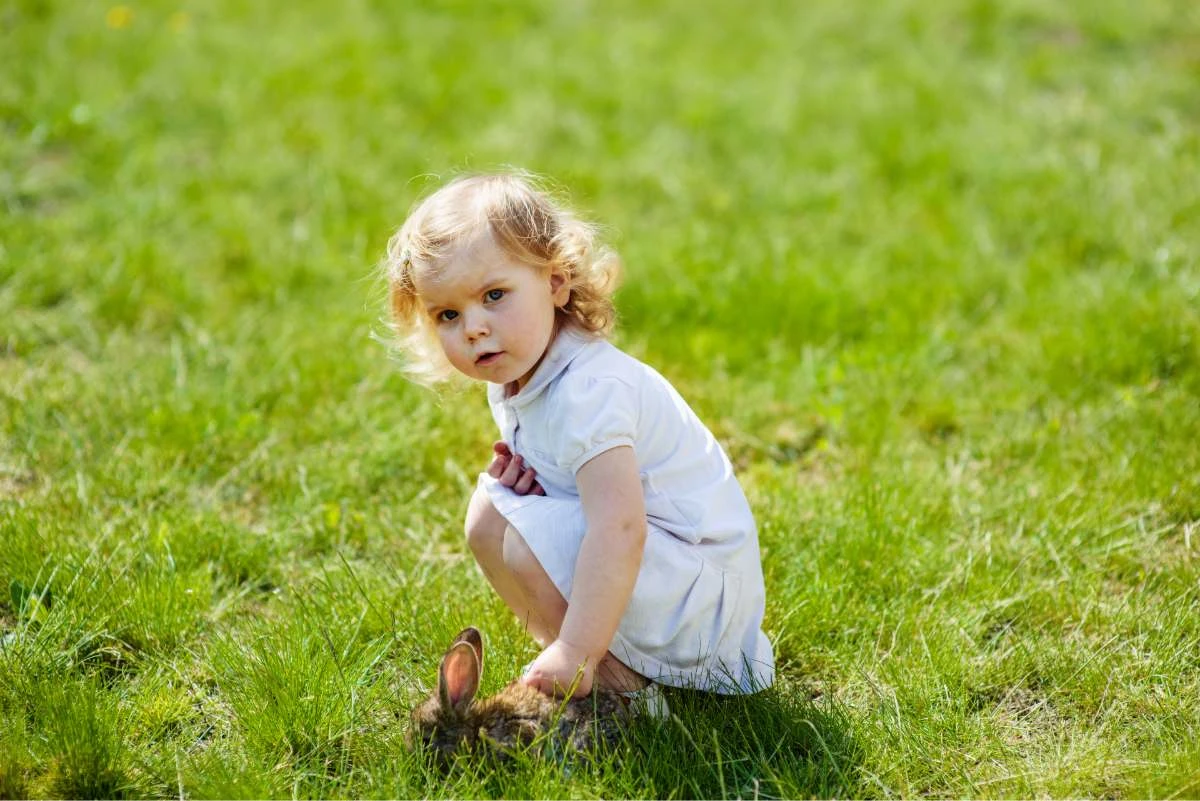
{"x":560,"y":667}
{"x":512,"y":471}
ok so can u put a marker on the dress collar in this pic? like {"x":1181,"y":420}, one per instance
{"x":566,"y":346}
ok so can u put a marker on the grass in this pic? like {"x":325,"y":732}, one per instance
{"x":929,"y":270}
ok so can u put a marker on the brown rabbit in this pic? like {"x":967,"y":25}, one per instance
{"x":451,"y":721}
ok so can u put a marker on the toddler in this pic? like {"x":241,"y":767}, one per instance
{"x":609,"y":520}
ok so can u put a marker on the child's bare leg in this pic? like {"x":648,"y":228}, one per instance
{"x":549,"y":607}
{"x":545,"y":606}
{"x":615,"y":675}
{"x":485,"y":529}
{"x":521,"y":582}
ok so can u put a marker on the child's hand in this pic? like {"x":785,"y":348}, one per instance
{"x":556,"y":668}
{"x":513,"y":472}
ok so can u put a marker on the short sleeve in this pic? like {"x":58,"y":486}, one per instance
{"x":595,"y":415}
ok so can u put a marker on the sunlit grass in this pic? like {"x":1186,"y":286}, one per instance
{"x":929,"y":271}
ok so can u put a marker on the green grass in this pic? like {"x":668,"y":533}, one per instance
{"x":929,"y":270}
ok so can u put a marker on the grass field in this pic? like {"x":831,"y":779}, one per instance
{"x":929,"y":270}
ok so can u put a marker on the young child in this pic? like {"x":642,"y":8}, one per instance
{"x":609,"y":520}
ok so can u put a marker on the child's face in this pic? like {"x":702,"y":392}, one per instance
{"x":494,"y":316}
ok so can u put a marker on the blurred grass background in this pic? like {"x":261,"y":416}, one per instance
{"x":928,"y":269}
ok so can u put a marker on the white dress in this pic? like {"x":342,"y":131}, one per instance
{"x":695,"y":616}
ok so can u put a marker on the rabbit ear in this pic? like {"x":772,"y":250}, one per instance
{"x":458,"y":677}
{"x":472,"y":636}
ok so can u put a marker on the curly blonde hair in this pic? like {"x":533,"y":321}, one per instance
{"x":522,"y":219}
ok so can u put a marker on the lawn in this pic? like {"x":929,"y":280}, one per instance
{"x":929,"y":270}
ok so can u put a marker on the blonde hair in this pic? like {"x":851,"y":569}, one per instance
{"x":523,"y":220}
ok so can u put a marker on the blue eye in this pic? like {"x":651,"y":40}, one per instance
{"x":446,"y":316}
{"x":494,"y":294}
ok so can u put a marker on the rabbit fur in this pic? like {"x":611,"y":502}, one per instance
{"x":451,"y":721}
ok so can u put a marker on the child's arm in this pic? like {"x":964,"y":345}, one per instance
{"x":610,"y":487}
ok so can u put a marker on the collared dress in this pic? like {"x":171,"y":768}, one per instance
{"x":695,"y":616}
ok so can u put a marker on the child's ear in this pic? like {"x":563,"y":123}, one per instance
{"x":560,"y":286}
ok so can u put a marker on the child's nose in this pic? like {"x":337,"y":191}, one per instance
{"x":476,"y":324}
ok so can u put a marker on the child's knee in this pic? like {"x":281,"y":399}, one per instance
{"x":518,"y":558}
{"x":522,"y":564}
{"x":484,"y":526}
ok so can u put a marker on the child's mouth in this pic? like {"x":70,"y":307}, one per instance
{"x":488,"y":358}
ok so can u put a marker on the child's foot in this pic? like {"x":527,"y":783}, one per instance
{"x":648,"y":702}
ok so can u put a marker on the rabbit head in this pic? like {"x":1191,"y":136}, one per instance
{"x":452,"y":721}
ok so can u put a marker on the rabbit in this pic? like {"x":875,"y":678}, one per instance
{"x":452,"y":722}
